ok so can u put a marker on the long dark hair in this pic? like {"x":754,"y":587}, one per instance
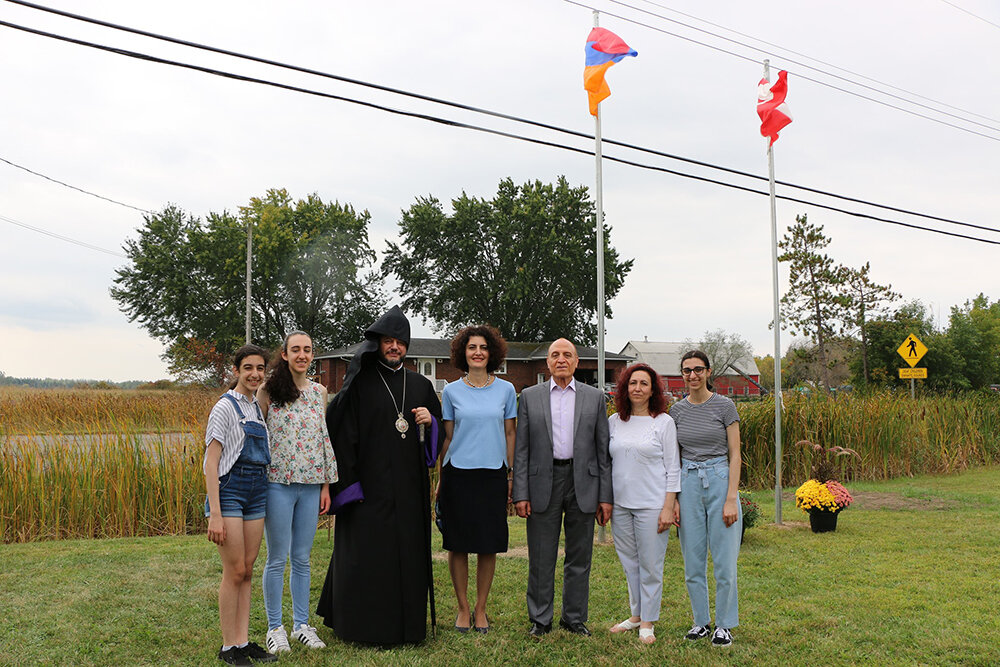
{"x":280,"y":385}
{"x":248,"y":350}
{"x":701,"y":356}
{"x":657,"y":401}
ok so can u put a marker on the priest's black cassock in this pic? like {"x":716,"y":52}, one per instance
{"x":376,"y":588}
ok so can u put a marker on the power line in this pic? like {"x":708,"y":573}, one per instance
{"x":473,"y":109}
{"x":452,"y":123}
{"x":815,"y":69}
{"x":68,"y":239}
{"x":822,"y":62}
{"x":962,"y":9}
{"x":73,"y":187}
{"x":800,"y":76}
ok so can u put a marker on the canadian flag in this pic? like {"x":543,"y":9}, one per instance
{"x":774,"y":113}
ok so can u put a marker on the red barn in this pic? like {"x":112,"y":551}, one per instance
{"x":665,"y":359}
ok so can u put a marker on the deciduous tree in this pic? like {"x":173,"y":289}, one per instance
{"x":312,"y":264}
{"x":523,"y":261}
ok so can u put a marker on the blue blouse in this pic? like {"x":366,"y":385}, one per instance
{"x":478,"y":439}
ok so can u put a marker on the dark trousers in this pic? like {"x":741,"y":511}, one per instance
{"x":543,"y":550}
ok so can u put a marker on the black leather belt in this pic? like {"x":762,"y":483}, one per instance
{"x":562,"y":462}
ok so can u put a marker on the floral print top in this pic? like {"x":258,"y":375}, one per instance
{"x":301,"y":452}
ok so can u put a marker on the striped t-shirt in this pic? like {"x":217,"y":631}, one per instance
{"x":224,"y":426}
{"x":701,"y":428}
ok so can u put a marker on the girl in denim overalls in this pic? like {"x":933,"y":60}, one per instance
{"x":236,"y":459}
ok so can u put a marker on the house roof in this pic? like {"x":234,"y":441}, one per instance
{"x":665,"y":357}
{"x":440,"y":348}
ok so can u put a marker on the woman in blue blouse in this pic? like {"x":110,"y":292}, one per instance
{"x":479,"y":412}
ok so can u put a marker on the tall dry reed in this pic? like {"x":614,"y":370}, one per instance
{"x":34,"y":411}
{"x":77,"y":463}
{"x":893,"y":434}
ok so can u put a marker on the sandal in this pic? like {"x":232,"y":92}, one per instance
{"x":484,"y":629}
{"x":646,"y":635}
{"x":625,"y":626}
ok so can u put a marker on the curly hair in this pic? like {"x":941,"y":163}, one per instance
{"x":495,"y":345}
{"x":657,"y":400}
{"x":280,"y":385}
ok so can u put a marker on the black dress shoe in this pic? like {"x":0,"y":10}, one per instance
{"x":538,"y":630}
{"x":576,"y":627}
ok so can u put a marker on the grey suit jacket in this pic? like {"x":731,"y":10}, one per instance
{"x":533,"y":448}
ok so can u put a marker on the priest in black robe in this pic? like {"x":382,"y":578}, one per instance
{"x":384,"y":424}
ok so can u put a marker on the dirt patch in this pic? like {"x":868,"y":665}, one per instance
{"x":786,"y":525}
{"x":877,"y":500}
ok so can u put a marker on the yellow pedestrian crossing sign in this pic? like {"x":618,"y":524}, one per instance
{"x":912,"y":350}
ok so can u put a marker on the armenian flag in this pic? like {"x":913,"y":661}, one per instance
{"x":604,"y":48}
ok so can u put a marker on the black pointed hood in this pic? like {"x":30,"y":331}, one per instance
{"x":394,"y":324}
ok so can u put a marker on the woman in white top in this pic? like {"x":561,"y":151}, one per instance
{"x":646,"y":479}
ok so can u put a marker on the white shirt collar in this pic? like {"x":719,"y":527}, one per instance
{"x":553,"y":385}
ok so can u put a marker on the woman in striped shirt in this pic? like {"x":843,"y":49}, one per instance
{"x":708,"y":432}
{"x":236,"y":459}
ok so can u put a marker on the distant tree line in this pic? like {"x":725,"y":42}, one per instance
{"x":52,"y":383}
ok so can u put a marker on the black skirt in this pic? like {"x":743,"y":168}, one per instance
{"x":474,"y":509}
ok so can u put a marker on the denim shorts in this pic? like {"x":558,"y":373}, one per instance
{"x":243,"y":492}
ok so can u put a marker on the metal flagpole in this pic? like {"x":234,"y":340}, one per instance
{"x":599,"y":219}
{"x":777,"y":324}
{"x":600,"y":242}
{"x":249,"y":272}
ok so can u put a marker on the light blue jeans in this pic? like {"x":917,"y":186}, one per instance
{"x":704,"y":486}
{"x":290,"y":526}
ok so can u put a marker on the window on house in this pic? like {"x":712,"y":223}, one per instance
{"x":503,"y":368}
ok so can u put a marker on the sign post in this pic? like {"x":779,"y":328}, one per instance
{"x":912,"y":351}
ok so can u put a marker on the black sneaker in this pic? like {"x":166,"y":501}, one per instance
{"x":697,"y":632}
{"x":234,"y":656}
{"x":722,"y":638}
{"x":257,"y":654}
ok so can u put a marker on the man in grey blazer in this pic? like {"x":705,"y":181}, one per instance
{"x":561,"y":468}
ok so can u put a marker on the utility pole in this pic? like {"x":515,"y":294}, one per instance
{"x":249,"y":273}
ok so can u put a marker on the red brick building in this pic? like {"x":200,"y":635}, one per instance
{"x":431,"y":357}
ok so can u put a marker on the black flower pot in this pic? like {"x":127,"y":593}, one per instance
{"x":822,"y":522}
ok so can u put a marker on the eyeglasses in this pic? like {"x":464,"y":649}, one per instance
{"x":697,"y":370}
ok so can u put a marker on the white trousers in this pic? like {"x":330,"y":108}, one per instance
{"x":641,"y":550}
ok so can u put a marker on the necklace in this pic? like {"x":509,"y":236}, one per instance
{"x":401,"y":424}
{"x":489,"y":380}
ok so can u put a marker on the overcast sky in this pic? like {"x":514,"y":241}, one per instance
{"x":148,"y":134}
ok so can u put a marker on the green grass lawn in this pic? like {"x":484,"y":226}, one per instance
{"x":911,"y":576}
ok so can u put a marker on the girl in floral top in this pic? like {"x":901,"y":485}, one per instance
{"x":299,"y":477}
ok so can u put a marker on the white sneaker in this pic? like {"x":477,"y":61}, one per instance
{"x":308,"y":636}
{"x":722,"y":638}
{"x":277,"y":640}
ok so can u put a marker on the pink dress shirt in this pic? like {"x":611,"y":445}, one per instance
{"x":563,"y":404}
